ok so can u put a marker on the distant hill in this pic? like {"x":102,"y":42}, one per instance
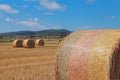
{"x":50,"y":32}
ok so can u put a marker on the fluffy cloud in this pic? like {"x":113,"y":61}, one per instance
{"x":49,"y":13}
{"x":30,"y":0}
{"x":38,"y":7}
{"x":48,"y":4}
{"x":85,"y":27}
{"x":33,"y":19}
{"x":8,"y":9}
{"x":9,"y":19}
{"x":28,"y":23}
{"x":111,"y":17}
{"x":51,"y":5}
{"x":31,"y":24}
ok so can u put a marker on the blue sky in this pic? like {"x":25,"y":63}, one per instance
{"x":19,"y":15}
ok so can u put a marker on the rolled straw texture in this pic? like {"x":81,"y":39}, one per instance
{"x":59,"y":40}
{"x":40,"y":42}
{"x":29,"y":43}
{"x":18,"y":43}
{"x":89,"y":55}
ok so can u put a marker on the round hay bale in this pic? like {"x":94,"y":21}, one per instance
{"x":59,"y":40}
{"x":28,"y":43}
{"x":18,"y":43}
{"x":40,"y":42}
{"x":89,"y":55}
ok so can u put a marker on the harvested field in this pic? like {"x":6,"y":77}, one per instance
{"x":28,"y":64}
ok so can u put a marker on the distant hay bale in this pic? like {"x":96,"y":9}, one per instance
{"x":89,"y":55}
{"x":28,"y":43}
{"x":59,"y":40}
{"x":18,"y":43}
{"x":40,"y":42}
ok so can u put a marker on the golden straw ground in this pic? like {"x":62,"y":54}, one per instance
{"x":27,"y":64}
{"x":89,"y":55}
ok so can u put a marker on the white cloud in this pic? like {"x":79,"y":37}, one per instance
{"x":31,"y":24}
{"x":30,"y":0}
{"x":9,"y":19}
{"x":51,"y":5}
{"x":8,"y":9}
{"x":90,"y":1}
{"x":48,"y":13}
{"x":111,"y":17}
{"x":48,"y":4}
{"x":33,"y":19}
{"x":38,"y":7}
{"x":85,"y":27}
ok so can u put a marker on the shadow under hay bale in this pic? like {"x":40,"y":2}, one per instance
{"x":18,"y":43}
{"x":40,"y":42}
{"x":28,"y":43}
{"x":89,"y":55}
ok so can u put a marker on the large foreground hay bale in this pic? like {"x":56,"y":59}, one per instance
{"x":28,"y":43}
{"x":89,"y":55}
{"x":40,"y":42}
{"x":18,"y":43}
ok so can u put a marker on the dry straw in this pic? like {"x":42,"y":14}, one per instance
{"x":40,"y":42}
{"x":59,"y":40}
{"x":28,"y":43}
{"x":18,"y":43}
{"x":89,"y":55}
